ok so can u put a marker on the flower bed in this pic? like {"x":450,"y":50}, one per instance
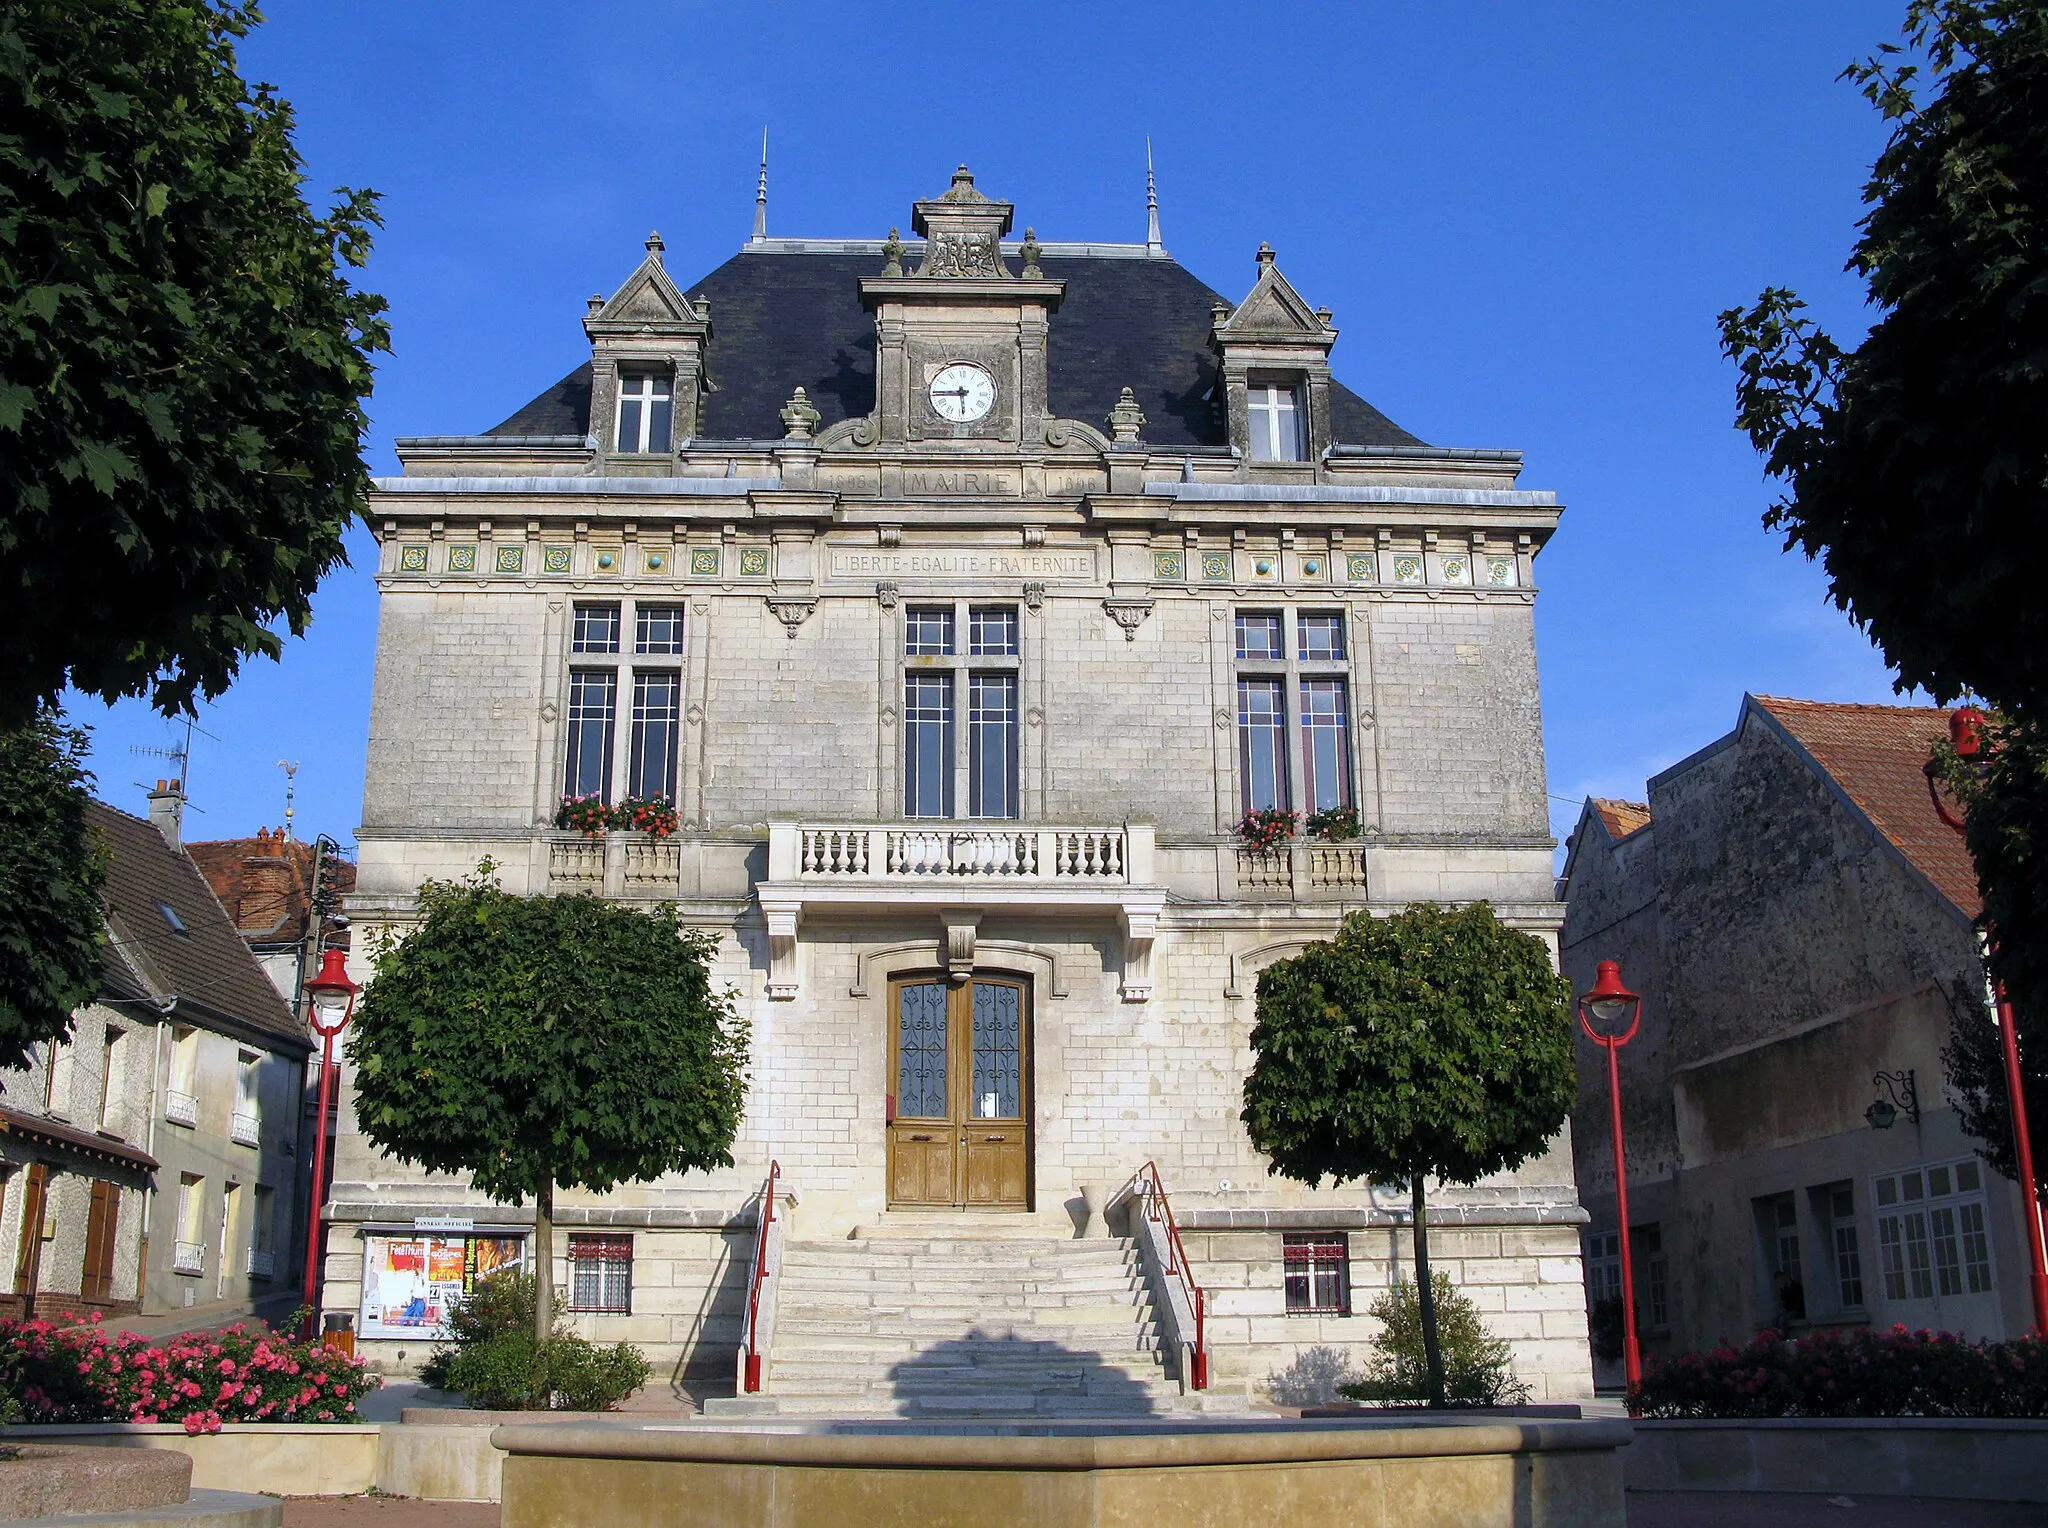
{"x":77,"y":1371}
{"x":1898,"y":1373}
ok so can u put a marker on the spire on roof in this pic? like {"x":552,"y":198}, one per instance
{"x":761,"y":194}
{"x":1153,"y":245}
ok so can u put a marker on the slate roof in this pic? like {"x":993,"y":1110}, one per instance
{"x":1876,"y":754}
{"x":199,"y":958}
{"x":1619,"y":818}
{"x":781,"y":319}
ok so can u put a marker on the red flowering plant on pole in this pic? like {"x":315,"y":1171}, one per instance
{"x":652,"y":815}
{"x":78,"y":1371}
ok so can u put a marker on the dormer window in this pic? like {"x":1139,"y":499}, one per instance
{"x":1276,"y":434}
{"x":646,"y":410}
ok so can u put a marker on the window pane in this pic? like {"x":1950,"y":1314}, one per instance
{"x":593,"y":700}
{"x":1948,"y":1258}
{"x":660,"y":417}
{"x":1262,"y":744}
{"x":1917,"y":1261}
{"x":1325,"y":744}
{"x":631,"y":417}
{"x":997,"y":1048}
{"x":992,"y":632}
{"x":928,"y":744}
{"x":992,"y":745}
{"x":1258,"y":636}
{"x":921,"y":1051}
{"x":928,"y":632}
{"x":596,"y":629}
{"x":644,"y":411}
{"x":658,"y":629}
{"x":1322,"y":637}
{"x":1891,"y":1252}
{"x":657,"y":726}
{"x":1976,"y":1247}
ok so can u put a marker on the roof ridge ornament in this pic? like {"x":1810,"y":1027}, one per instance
{"x":761,"y":195}
{"x":1030,"y":252}
{"x":1153,"y":244}
{"x":963,"y":232}
{"x":799,"y":416}
{"x":962,"y":189}
{"x":892,"y":255}
{"x":655,"y":246}
{"x":1126,"y":419}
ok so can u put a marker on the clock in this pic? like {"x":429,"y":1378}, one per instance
{"x":962,"y":393}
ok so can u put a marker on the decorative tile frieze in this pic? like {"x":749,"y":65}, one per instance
{"x":657,"y":562}
{"x":554,"y":559}
{"x":754,"y":562}
{"x":1169,"y":567}
{"x":1216,"y":567}
{"x":511,"y":559}
{"x":704,"y":562}
{"x":1500,"y":572}
{"x":1407,"y":569}
{"x":1456,"y":569}
{"x":1361,"y":568}
{"x":412,"y":559}
{"x":462,"y":558}
{"x":606,"y":560}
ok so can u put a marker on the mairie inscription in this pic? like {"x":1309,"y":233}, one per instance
{"x":940,"y":562}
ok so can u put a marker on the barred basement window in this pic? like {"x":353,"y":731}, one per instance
{"x":1318,"y":1273}
{"x":601,"y":1274}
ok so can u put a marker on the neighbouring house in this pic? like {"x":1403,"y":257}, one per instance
{"x":1799,"y":922}
{"x":284,"y":895}
{"x":962,"y":594}
{"x":152,"y":1161}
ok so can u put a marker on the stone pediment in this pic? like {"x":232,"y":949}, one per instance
{"x":648,"y":303}
{"x":1274,"y":310}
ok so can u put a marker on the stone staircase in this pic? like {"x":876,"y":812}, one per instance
{"x":959,"y":1325}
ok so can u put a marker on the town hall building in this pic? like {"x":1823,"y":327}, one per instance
{"x":963,"y":593}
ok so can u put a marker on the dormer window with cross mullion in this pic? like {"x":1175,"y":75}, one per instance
{"x":1275,"y":417}
{"x":646,"y":412}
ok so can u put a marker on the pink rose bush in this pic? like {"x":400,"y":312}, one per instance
{"x":1853,"y":1373}
{"x":78,"y":1371}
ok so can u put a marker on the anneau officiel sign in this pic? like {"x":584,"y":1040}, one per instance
{"x":979,"y":562}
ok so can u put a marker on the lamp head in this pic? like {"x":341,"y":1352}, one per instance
{"x":331,"y":995}
{"x":1609,"y":1004}
{"x":1880,"y":1114}
{"x":1966,"y":730}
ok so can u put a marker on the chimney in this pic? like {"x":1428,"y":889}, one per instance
{"x":167,"y":810}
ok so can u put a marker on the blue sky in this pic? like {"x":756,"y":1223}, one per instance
{"x":1524,"y":217}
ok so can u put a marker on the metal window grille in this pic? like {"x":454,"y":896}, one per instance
{"x":658,"y":630}
{"x":601,"y":1274}
{"x":593,"y":705}
{"x":1317,"y":1271}
{"x":992,"y":631}
{"x":1258,"y":637}
{"x":595,"y":629}
{"x":928,"y":744}
{"x":657,"y":732}
{"x":646,"y":411}
{"x":928,"y":632}
{"x":1262,"y":743}
{"x":1322,"y":638}
{"x":1325,"y":744}
{"x":992,"y":745}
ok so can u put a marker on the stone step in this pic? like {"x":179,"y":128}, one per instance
{"x":1087,"y":1325}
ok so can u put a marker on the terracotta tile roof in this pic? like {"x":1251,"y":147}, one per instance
{"x":1620,"y":818}
{"x":1876,"y":755}
{"x":265,"y":882}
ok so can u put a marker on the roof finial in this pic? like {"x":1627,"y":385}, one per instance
{"x":1153,"y":245}
{"x":761,"y":195}
{"x":655,"y":246}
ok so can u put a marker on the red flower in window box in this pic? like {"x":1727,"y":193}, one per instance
{"x":652,"y":815}
{"x":589,"y":815}
{"x":1267,"y":828}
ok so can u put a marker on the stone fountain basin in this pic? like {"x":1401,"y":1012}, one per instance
{"x":44,"y":1480}
{"x":1183,"y":1472}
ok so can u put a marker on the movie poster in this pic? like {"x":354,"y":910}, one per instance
{"x":409,"y":1281}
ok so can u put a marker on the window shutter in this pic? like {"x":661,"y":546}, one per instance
{"x":100,"y":1220}
{"x":26,"y":1264}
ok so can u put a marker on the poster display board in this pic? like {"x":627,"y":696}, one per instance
{"x":409,"y":1280}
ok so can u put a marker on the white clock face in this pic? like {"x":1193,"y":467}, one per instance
{"x":963,"y":393}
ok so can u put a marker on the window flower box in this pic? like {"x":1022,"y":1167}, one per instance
{"x":1334,"y":824}
{"x":589,"y":815}
{"x":1267,"y":828}
{"x":653,"y":815}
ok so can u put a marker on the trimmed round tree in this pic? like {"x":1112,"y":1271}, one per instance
{"x":1434,"y":1043}
{"x":545,"y":1042}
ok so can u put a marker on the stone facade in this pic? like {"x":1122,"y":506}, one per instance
{"x":801,"y":550}
{"x":1798,"y":921}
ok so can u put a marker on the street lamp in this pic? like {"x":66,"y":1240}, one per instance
{"x":1617,"y":1011}
{"x":1967,"y":731}
{"x":331,"y":996}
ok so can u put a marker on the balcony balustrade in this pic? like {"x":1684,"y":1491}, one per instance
{"x":180,"y":1108}
{"x":1092,"y":856}
{"x":617,"y":865}
{"x":262,"y":1265}
{"x":1299,"y":872}
{"x":245,"y":1129}
{"x":188,"y":1257}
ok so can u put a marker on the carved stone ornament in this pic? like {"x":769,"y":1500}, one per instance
{"x":799,"y":417}
{"x":892,"y":255}
{"x":791,"y":610}
{"x":547,"y":710}
{"x":865,"y":432}
{"x":1126,"y":419}
{"x":1030,"y":251}
{"x":1055,"y":434}
{"x":1129,"y":614}
{"x":1034,"y":597}
{"x":886,"y":593}
{"x":695,"y":715}
{"x":971,"y":255}
{"x":959,"y":925}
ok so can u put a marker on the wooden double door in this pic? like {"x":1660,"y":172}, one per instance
{"x":959,"y":1108}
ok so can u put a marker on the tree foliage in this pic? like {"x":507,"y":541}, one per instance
{"x":52,"y":865}
{"x":544,"y":1042}
{"x":182,"y":358}
{"x":1915,"y":464}
{"x":1433,"y":1044}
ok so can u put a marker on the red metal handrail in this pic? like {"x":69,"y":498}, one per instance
{"x":761,"y":1224}
{"x":1152,"y":1191}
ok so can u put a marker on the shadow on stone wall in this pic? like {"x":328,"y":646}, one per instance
{"x":990,"y":1374}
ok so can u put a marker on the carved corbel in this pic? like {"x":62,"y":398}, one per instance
{"x":959,"y":924}
{"x":783,"y":918}
{"x":886,"y":593}
{"x":1034,"y":597}
{"x":1141,"y":926}
{"x":1129,"y":614}
{"x":792,"y":610}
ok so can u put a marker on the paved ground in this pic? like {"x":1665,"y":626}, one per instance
{"x":1646,"y":1509}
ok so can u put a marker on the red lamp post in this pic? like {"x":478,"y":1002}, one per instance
{"x":1967,"y":731}
{"x":332,"y":999}
{"x":1618,"y":1011}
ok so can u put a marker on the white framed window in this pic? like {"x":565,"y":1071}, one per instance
{"x":942,"y":762}
{"x":1933,"y":1240}
{"x":1782,"y":1295}
{"x":1275,"y":417}
{"x":1603,"y":1265}
{"x":247,"y":1125}
{"x":1646,"y":1251}
{"x":1839,"y":1244}
{"x":646,"y":412}
{"x":1302,"y":658}
{"x":604,"y":671}
{"x":111,"y":1111}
